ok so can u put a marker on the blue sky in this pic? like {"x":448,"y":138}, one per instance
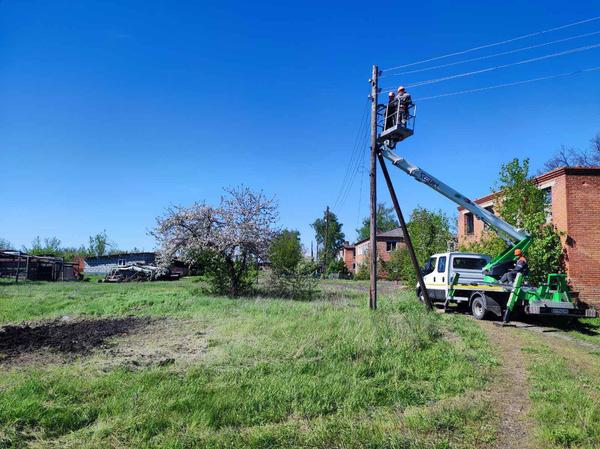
{"x":110,"y":111}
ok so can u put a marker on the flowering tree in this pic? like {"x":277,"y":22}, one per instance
{"x":237,"y":233}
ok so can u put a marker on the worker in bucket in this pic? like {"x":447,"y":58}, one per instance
{"x":390,"y":112}
{"x":520,"y":267}
{"x":404,"y":103}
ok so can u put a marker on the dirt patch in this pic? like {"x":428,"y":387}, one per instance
{"x":65,"y":335}
{"x":107,"y":343}
{"x":509,"y":392}
{"x":165,"y":342}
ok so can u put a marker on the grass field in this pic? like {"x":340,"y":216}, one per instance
{"x":208,"y":372}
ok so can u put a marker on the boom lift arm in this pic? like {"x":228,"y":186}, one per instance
{"x":515,"y":237}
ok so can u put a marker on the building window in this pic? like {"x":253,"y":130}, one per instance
{"x":390,"y":246}
{"x":490,"y":209}
{"x":121,"y":262}
{"x":469,"y":224}
{"x":548,"y":203}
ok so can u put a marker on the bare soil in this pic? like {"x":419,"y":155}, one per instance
{"x":106,"y":342}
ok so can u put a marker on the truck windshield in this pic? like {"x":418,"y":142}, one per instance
{"x":468,"y":263}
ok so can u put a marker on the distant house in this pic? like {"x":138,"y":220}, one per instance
{"x":103,"y":264}
{"x":358,"y":253}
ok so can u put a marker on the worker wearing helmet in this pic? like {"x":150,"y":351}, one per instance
{"x":520,"y":267}
{"x":390,"y":111}
{"x":404,"y":103}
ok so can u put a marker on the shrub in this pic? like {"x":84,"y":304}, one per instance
{"x":299,"y":284}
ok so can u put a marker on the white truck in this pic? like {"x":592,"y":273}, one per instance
{"x":440,"y":269}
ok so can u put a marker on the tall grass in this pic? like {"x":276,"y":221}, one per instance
{"x":566,"y":400}
{"x":277,"y":374}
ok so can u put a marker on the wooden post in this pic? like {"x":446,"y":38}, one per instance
{"x":407,"y":239}
{"x":373,"y":195}
{"x":326,"y":240}
{"x":27,"y":268}
{"x":18,"y":268}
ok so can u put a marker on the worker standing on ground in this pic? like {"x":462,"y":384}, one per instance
{"x":404,"y":103}
{"x":520,"y":267}
{"x":390,"y":113}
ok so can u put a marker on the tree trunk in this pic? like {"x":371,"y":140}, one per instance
{"x":233,"y":277}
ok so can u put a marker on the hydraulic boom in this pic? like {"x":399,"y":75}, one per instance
{"x":503,"y":228}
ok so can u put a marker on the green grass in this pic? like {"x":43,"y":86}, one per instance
{"x":277,"y":374}
{"x":565,"y":398}
{"x":587,"y":329}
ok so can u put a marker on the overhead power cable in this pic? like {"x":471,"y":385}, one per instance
{"x":480,"y":58}
{"x":516,"y":83}
{"x":494,"y":44}
{"x":362,"y":144}
{"x":502,"y":66}
{"x":354,"y":158}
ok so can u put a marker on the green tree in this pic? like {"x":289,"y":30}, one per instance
{"x":99,"y":244}
{"x":523,"y":205}
{"x":399,"y":267}
{"x":489,"y":244}
{"x":329,"y":236}
{"x":430,"y":232}
{"x":338,"y":266}
{"x":50,"y":245}
{"x":386,"y":221}
{"x":5,"y":244}
{"x":285,"y":252}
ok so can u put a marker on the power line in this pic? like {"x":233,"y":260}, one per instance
{"x":361,"y":144}
{"x":354,"y":163}
{"x":502,"y":66}
{"x":481,"y":47}
{"x":351,"y":161}
{"x":479,"y":58}
{"x":516,"y":83}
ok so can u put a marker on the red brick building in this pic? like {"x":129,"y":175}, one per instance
{"x":358,"y":253}
{"x":573,"y":205}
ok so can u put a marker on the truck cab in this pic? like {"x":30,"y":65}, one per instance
{"x":440,"y":269}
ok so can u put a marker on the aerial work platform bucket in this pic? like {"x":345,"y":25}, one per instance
{"x":398,"y":124}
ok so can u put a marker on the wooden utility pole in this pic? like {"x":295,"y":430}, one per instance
{"x":326,"y":240}
{"x":405,"y":233}
{"x":373,"y":188}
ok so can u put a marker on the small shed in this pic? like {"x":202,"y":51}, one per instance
{"x":103,"y":264}
{"x":21,"y":266}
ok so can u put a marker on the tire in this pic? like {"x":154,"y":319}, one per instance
{"x":478,"y":309}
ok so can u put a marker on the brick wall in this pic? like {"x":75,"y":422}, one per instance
{"x":583,"y":235}
{"x":575,"y":212}
{"x":349,"y":257}
{"x":362,"y":254}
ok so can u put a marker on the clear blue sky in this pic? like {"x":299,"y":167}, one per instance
{"x":110,"y":111}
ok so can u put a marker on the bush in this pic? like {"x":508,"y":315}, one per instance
{"x":218,"y":275}
{"x":299,"y":284}
{"x":339,"y":267}
{"x":400,"y":268}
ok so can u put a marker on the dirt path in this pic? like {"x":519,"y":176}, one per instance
{"x":509,"y":391}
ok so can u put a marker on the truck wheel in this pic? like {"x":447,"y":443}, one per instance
{"x":420,"y":295}
{"x":478,"y":308}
